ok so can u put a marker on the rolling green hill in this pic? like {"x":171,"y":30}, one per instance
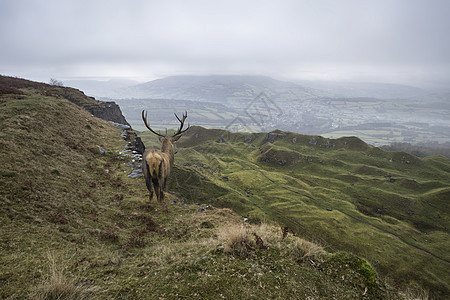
{"x":389,"y":207}
{"x":74,"y":225}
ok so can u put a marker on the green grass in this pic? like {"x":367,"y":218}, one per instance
{"x":74,"y":225}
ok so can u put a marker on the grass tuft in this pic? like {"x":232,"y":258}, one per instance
{"x":299,"y":249}
{"x":60,"y":284}
{"x":236,"y":240}
{"x":416,"y":294}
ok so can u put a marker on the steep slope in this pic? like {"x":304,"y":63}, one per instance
{"x":389,"y":207}
{"x":73,"y":224}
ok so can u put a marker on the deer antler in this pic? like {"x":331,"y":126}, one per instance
{"x":144,"y":118}
{"x":180,"y":131}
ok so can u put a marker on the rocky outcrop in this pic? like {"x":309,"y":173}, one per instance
{"x":271,"y":137}
{"x":108,"y":111}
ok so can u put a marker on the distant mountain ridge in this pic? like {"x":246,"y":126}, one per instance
{"x":216,"y":88}
{"x":366,"y":89}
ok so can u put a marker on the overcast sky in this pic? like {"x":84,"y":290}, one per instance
{"x":399,"y":41}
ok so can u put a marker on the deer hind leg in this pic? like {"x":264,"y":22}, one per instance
{"x":161,"y":194}
{"x":157,"y":190}
{"x":161,"y":181}
{"x":150,"y":192}
{"x":155,"y":183}
{"x":149,"y":185}
{"x":162,"y":187}
{"x":148,"y":180}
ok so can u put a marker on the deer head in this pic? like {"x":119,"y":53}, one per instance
{"x":166,"y":140}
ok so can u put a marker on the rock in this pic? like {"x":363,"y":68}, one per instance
{"x":272,"y":136}
{"x":221,"y":140}
{"x":328,"y":145}
{"x":273,"y":160}
{"x":120,"y":126}
{"x":102,"y":150}
{"x":135,"y":173}
{"x":108,"y":111}
{"x":203,"y":208}
{"x":390,"y":178}
{"x":138,"y":145}
{"x":134,"y":142}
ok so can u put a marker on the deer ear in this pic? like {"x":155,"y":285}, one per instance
{"x":175,"y":138}
{"x":161,"y":138}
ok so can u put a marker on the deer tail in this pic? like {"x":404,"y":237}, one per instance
{"x":154,"y":166}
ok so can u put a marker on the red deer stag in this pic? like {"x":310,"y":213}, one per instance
{"x":156,"y":164}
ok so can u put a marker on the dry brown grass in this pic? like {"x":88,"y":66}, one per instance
{"x":239,"y":239}
{"x":416,"y":294}
{"x":235,"y":239}
{"x":299,"y":249}
{"x":60,"y":284}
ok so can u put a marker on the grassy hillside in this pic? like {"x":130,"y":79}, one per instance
{"x":389,"y":207}
{"x":75,"y":226}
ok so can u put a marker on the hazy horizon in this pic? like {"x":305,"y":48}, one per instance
{"x":401,"y":42}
